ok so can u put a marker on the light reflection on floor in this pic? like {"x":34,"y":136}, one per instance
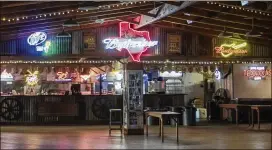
{"x":93,"y":137}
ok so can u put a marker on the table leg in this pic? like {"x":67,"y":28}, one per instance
{"x":258,"y":113}
{"x":110,"y":124}
{"x":249,"y":118}
{"x":160,"y":127}
{"x":162,"y":134}
{"x":121,"y":125}
{"x":252,"y":117}
{"x":237,"y":120}
{"x":177,"y":129}
{"x":147,"y":125}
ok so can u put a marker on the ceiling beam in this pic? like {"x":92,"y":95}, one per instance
{"x":9,"y":4}
{"x":79,"y":20}
{"x":161,"y":12}
{"x":31,"y":11}
{"x":40,"y":24}
{"x":234,"y":12}
{"x":47,"y":22}
{"x":221,"y":24}
{"x":226,"y":18}
{"x":84,"y":25}
{"x":72,"y":14}
{"x":209,"y":31}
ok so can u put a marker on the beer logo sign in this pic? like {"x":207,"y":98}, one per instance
{"x":135,"y":42}
{"x":37,"y":39}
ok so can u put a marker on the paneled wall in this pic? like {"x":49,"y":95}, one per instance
{"x":20,"y":47}
{"x":191,"y":44}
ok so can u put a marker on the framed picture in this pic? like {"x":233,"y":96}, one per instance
{"x":174,"y":43}
{"x":89,"y":41}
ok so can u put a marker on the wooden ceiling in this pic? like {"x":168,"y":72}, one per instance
{"x":19,"y":19}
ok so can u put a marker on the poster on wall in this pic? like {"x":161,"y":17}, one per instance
{"x":174,"y":43}
{"x":133,"y":104}
{"x":89,"y":41}
{"x":231,"y":48}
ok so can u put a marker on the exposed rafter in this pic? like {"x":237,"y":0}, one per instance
{"x":162,"y":11}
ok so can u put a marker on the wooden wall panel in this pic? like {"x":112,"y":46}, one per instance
{"x":191,"y":44}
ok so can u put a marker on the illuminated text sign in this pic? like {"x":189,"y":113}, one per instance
{"x":38,"y":38}
{"x":5,"y":76}
{"x":62,"y":76}
{"x":257,"y":73}
{"x":32,"y":78}
{"x":135,"y":42}
{"x":227,"y":50}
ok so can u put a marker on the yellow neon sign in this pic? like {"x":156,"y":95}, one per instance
{"x":227,"y":50}
{"x":32,"y":78}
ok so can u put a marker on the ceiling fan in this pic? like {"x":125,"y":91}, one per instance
{"x":224,"y":34}
{"x":252,"y":32}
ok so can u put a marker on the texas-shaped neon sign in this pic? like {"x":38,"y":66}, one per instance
{"x":135,"y":42}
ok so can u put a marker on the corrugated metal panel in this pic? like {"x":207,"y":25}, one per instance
{"x":103,"y":33}
{"x":30,"y":106}
{"x":8,"y":47}
{"x":59,"y":46}
{"x":77,"y":42}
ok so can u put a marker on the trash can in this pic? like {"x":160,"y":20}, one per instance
{"x":178,"y":110}
{"x":189,"y":116}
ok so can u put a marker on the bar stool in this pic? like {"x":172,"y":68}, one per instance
{"x":116,"y":122}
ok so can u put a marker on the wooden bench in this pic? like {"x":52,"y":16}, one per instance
{"x":258,"y":108}
{"x":161,"y":116}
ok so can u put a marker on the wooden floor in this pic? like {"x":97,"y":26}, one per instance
{"x":211,"y":136}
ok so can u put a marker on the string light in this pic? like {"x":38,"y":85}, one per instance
{"x":53,"y":62}
{"x":241,"y":8}
{"x":67,"y":12}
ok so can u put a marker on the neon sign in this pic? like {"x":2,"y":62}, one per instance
{"x":32,"y":78}
{"x":217,"y":74}
{"x":5,"y":76}
{"x":62,"y":76}
{"x":227,"y":50}
{"x":85,"y":77}
{"x":135,"y":42}
{"x":38,"y":38}
{"x":257,"y":73}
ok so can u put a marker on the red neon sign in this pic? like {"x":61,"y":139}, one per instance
{"x":258,"y":73}
{"x":135,"y":42}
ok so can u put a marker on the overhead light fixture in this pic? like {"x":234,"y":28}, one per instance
{"x":189,"y":21}
{"x":252,"y":32}
{"x":101,"y":21}
{"x":70,"y":23}
{"x":63,"y":34}
{"x":224,"y":34}
{"x":243,"y":3}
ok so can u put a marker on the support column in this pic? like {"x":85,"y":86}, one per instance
{"x":133,"y":99}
